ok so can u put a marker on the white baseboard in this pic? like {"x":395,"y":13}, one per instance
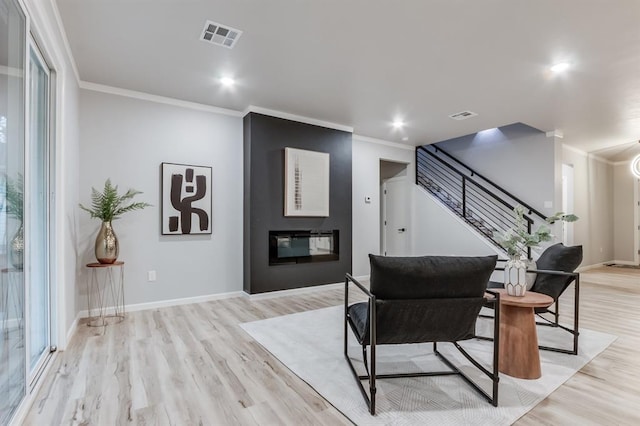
{"x":11,"y":322}
{"x":167,"y":303}
{"x":624,"y":262}
{"x":593,"y":266}
{"x":72,"y":329}
{"x":601,"y":264}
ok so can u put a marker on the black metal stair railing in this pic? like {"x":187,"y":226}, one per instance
{"x":479,"y":201}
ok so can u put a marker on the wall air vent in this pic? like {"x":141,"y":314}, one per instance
{"x":219,"y":34}
{"x":463,"y":115}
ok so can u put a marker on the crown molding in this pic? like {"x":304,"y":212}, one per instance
{"x":298,"y":118}
{"x":158,"y":99}
{"x":383,"y":142}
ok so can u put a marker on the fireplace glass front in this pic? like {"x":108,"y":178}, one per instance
{"x":302,"y":246}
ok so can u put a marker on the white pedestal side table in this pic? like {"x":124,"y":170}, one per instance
{"x":105,"y":293}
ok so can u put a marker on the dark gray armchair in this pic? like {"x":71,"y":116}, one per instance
{"x":417,"y":300}
{"x":555,"y":272}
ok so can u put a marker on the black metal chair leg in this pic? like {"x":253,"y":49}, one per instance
{"x":364,"y":358}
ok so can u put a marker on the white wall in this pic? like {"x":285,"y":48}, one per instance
{"x":367,"y":154}
{"x":127,"y":139}
{"x":623,"y":213}
{"x":439,"y":232}
{"x":593,"y":203}
{"x":517,"y":157}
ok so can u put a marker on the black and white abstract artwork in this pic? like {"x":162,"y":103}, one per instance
{"x":306,"y":183}
{"x":186,"y":199}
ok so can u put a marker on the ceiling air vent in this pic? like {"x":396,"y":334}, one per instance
{"x":219,"y":34}
{"x":463,"y":115}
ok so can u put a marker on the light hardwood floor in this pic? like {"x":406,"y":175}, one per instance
{"x":192,"y":364}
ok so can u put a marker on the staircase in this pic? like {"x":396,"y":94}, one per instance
{"x":481,"y":203}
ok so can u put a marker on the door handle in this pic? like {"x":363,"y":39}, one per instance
{"x":401,"y":229}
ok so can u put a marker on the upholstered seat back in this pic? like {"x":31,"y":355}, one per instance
{"x":427,"y":277}
{"x":557,"y":257}
{"x":424,"y":299}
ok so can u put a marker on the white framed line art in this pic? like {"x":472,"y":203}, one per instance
{"x":186,"y":199}
{"x":306,"y":183}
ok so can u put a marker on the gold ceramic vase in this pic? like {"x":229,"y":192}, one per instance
{"x":107,"y":247}
{"x":16,"y":249}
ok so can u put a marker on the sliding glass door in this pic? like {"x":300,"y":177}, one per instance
{"x":37,"y":246}
{"x":12,"y":143}
{"x":25,"y":292}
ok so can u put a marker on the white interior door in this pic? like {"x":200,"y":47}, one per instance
{"x":567,"y":203}
{"x":395,"y":217}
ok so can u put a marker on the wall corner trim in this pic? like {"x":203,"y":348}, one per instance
{"x":586,"y":154}
{"x":294,"y":117}
{"x":65,"y":40}
{"x":158,"y":99}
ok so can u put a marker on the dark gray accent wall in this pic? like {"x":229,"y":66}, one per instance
{"x":265,"y":138}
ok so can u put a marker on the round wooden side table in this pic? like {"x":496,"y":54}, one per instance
{"x":105,"y":293}
{"x":519,"y":353}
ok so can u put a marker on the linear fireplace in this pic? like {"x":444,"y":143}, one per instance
{"x":303,"y":246}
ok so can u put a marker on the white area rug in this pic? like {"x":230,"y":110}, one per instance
{"x":310,"y":345}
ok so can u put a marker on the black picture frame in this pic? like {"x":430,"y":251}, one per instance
{"x":187,"y":200}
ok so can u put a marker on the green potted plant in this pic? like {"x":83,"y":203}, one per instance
{"x":14,"y":202}
{"x":516,"y":240}
{"x":107,"y":206}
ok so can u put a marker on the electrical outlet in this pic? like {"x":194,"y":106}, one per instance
{"x":151,"y":276}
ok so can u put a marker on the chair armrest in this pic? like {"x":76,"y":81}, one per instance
{"x":549,"y":272}
{"x":365,"y":290}
{"x":545,"y":271}
{"x":493,"y":297}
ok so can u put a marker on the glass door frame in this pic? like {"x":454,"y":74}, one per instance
{"x":32,"y":374}
{"x":37,"y":37}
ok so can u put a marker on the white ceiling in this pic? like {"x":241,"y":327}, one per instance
{"x":362,"y":63}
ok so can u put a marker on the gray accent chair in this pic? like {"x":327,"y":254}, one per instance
{"x":554,"y":274}
{"x":417,"y":300}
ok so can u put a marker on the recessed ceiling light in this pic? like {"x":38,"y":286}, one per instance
{"x":560,"y":67}
{"x":227,"y":81}
{"x":406,"y":138}
{"x":397,"y":124}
